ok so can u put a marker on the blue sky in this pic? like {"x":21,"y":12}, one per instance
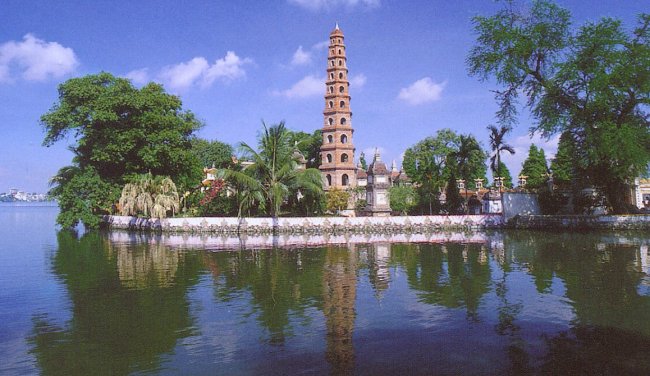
{"x":235,"y":63}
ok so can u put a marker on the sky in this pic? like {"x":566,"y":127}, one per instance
{"x":238,"y":63}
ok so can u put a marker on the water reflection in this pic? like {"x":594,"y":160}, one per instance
{"x":524,"y":302}
{"x":115,"y":329}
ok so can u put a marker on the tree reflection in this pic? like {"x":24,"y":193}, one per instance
{"x":453,"y":275}
{"x":117,"y":325}
{"x":281,"y":283}
{"x":601,"y":276}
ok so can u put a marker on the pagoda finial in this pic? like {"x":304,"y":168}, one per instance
{"x":377,"y":156}
{"x":337,"y":26}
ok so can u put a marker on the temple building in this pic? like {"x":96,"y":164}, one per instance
{"x":337,"y":152}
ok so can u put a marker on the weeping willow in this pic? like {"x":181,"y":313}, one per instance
{"x":150,"y":196}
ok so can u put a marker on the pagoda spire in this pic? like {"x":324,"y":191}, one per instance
{"x":337,"y":152}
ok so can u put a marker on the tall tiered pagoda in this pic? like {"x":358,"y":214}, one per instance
{"x":337,"y":152}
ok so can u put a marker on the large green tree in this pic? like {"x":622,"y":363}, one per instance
{"x":426,"y":164}
{"x":117,"y":131}
{"x":213,"y":152}
{"x":535,"y":168}
{"x":403,"y":199}
{"x":593,"y":82}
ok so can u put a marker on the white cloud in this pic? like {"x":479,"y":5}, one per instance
{"x":307,"y":87}
{"x":316,"y":5}
{"x":229,"y":68}
{"x":521,"y":145}
{"x":36,"y":59}
{"x":183,"y":75}
{"x":320,"y":45}
{"x":305,"y":56}
{"x":422,"y":91}
{"x":301,"y":57}
{"x":357,"y":81}
{"x":138,"y":76}
{"x":198,"y":71}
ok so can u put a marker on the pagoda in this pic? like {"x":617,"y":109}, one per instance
{"x":337,"y":152}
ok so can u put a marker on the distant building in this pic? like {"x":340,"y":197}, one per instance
{"x":641,"y":193}
{"x":378,"y":204}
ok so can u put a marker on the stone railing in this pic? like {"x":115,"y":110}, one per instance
{"x":585,"y":222}
{"x":308,"y":225}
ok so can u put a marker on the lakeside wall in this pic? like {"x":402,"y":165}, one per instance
{"x":581,"y":222}
{"x":308,"y":225}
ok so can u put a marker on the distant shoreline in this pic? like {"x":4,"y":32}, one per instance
{"x":30,"y":203}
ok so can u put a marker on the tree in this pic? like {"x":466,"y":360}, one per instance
{"x":82,"y":196}
{"x":562,"y":165}
{"x":592,"y":82}
{"x":119,"y":131}
{"x":454,"y":202}
{"x":498,"y":145}
{"x":150,"y":196}
{"x":426,"y":164}
{"x":337,"y":200}
{"x":213,"y":152}
{"x":535,"y":168}
{"x":403,"y":198}
{"x":273,"y":177}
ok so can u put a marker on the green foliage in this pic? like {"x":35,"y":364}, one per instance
{"x":213,"y":152}
{"x":535,"y":168}
{"x":592,"y":82}
{"x":274,"y":177}
{"x":82,"y":196}
{"x":120,"y":131}
{"x":403,"y":199}
{"x":469,"y":160}
{"x":220,"y":206}
{"x":337,"y":200}
{"x":426,"y":164}
{"x":454,"y":202}
{"x":150,"y":196}
{"x":562,"y":165}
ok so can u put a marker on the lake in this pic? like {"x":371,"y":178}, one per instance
{"x":488,"y":303}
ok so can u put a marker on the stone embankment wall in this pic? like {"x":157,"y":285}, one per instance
{"x":581,"y":222}
{"x":308,"y":225}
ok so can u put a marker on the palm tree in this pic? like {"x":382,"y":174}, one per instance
{"x":274,"y":173}
{"x":497,"y":145}
{"x":468,"y":148}
{"x":150,"y":196}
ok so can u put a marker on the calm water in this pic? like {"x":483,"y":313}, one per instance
{"x":498,"y":303}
